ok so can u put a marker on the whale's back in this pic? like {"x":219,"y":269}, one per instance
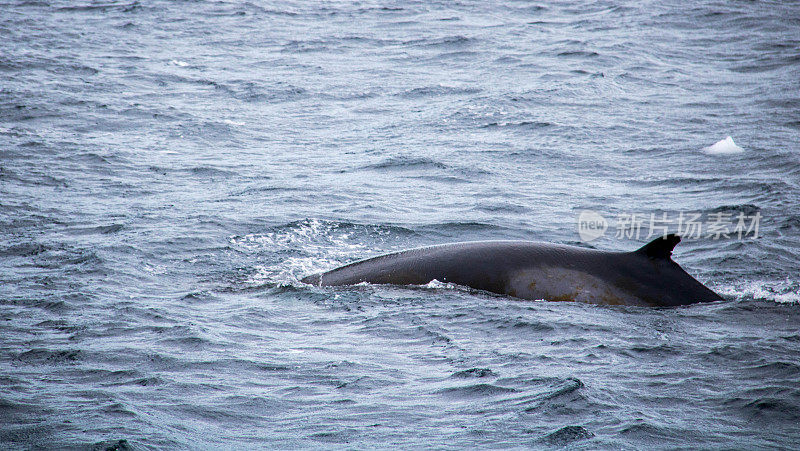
{"x":485,"y":265}
{"x":530,"y":270}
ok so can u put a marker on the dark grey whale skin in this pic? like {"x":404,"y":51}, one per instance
{"x":537,"y":271}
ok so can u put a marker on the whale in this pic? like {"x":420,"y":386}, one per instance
{"x":536,"y":271}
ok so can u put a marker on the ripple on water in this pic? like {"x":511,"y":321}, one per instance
{"x":474,"y":391}
{"x":405,"y":163}
{"x":45,"y":356}
{"x":566,"y":435}
{"x":474,"y":372}
{"x":439,"y":90}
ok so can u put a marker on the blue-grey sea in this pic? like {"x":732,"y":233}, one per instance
{"x":170,"y":170}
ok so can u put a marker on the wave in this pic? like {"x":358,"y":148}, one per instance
{"x":567,"y":435}
{"x":406,"y":163}
{"x":438,"y":90}
{"x":122,"y":7}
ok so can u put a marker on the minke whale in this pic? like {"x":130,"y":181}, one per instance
{"x":537,"y":271}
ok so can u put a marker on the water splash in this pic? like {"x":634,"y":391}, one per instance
{"x":781,"y":291}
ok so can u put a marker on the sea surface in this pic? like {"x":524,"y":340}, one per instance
{"x":169,"y":170}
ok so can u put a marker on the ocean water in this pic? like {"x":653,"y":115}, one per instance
{"x":169,"y":170}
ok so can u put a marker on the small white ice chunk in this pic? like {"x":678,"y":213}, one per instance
{"x":725,"y":146}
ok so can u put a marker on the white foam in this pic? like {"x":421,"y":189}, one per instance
{"x":726,"y":146}
{"x":782,"y":291}
{"x":435,"y":284}
{"x":327,"y":244}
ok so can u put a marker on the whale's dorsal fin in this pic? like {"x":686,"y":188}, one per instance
{"x":660,"y":247}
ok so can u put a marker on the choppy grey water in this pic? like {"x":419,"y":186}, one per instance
{"x":169,"y":170}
